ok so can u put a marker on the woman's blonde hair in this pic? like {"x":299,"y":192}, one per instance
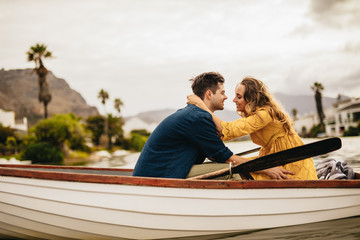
{"x":257,"y":96}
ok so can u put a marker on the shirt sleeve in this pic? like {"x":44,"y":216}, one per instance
{"x":203,"y":134}
{"x":245,"y":126}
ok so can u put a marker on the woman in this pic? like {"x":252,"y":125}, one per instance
{"x":267,"y":124}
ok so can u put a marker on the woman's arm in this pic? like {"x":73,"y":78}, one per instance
{"x":195,"y":100}
{"x":274,"y":173}
{"x":240,"y":127}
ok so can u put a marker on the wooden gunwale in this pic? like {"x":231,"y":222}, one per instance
{"x":26,"y":171}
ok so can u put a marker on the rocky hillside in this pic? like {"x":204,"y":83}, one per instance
{"x":19,"y":92}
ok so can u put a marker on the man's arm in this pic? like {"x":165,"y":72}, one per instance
{"x":273,"y":173}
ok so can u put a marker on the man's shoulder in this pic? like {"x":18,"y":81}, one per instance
{"x":194,"y":111}
{"x":187,"y":116}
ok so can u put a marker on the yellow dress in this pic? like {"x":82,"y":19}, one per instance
{"x":271,"y":136}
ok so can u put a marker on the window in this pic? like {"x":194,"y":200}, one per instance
{"x":356,"y":116}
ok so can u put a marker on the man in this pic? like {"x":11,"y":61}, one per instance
{"x":188,"y":136}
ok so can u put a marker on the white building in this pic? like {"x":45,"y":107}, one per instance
{"x":346,"y":114}
{"x":338,"y":118}
{"x":7,"y":119}
{"x":303,"y":124}
{"x":135,"y":123}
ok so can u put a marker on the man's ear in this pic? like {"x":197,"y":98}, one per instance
{"x":208,"y":94}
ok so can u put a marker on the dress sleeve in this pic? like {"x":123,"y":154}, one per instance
{"x":245,"y":126}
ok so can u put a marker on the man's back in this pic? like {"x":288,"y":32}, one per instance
{"x":181,"y":140}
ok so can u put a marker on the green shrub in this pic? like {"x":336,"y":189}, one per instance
{"x":138,"y":141}
{"x":52,"y":131}
{"x":315,"y":130}
{"x":5,"y":132}
{"x":3,"y":149}
{"x":352,"y":131}
{"x":96,"y":126}
{"x":43,"y":153}
{"x":61,"y":129}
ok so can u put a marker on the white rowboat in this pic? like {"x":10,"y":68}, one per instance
{"x":53,"y":202}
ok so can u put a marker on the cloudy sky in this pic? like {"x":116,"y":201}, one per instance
{"x":145,"y":51}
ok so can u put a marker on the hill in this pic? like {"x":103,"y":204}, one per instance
{"x":19,"y":92}
{"x":304,"y":104}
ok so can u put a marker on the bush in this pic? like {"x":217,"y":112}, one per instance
{"x":61,"y":129}
{"x":352,"y":131}
{"x":3,"y":149}
{"x":142,"y":132}
{"x":11,"y":145}
{"x":51,"y":131}
{"x":315,"y":130}
{"x":138,"y":141}
{"x":96,"y":126}
{"x":5,"y":132}
{"x":8,"y":141}
{"x":43,"y":153}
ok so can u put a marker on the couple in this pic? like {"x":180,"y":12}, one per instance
{"x":178,"y":147}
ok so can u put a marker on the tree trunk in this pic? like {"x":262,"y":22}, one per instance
{"x":45,"y":110}
{"x":44,"y":91}
{"x":320,"y":111}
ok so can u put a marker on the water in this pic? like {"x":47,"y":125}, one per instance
{"x":345,"y":229}
{"x":349,"y":152}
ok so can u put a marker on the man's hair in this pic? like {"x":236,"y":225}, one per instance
{"x":206,"y":81}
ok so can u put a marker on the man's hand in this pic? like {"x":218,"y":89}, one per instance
{"x":236,"y":160}
{"x":276,"y":173}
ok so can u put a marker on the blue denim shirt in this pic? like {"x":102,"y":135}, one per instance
{"x":181,"y":140}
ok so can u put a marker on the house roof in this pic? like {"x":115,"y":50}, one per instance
{"x":355,"y":105}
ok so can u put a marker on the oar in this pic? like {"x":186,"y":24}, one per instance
{"x":247,"y":175}
{"x":248,"y":151}
{"x":279,"y":158}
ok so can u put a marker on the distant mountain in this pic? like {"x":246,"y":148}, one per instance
{"x":304,"y":104}
{"x":19,"y":92}
{"x":155,"y":116}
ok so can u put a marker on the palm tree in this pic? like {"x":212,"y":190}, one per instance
{"x":317,"y":88}
{"x":104,"y":96}
{"x":36,"y":53}
{"x":117,"y":104}
{"x":294,"y":113}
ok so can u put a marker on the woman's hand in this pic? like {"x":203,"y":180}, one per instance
{"x":195,"y":100}
{"x":277,"y":173}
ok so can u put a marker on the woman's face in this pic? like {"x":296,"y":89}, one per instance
{"x":239,"y":98}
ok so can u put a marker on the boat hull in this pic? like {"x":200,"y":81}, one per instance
{"x":58,"y":209}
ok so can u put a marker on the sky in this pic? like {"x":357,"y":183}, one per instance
{"x":145,"y":51}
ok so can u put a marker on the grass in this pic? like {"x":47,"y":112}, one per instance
{"x":77,"y":158}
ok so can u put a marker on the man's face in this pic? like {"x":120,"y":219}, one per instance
{"x":218,"y":99}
